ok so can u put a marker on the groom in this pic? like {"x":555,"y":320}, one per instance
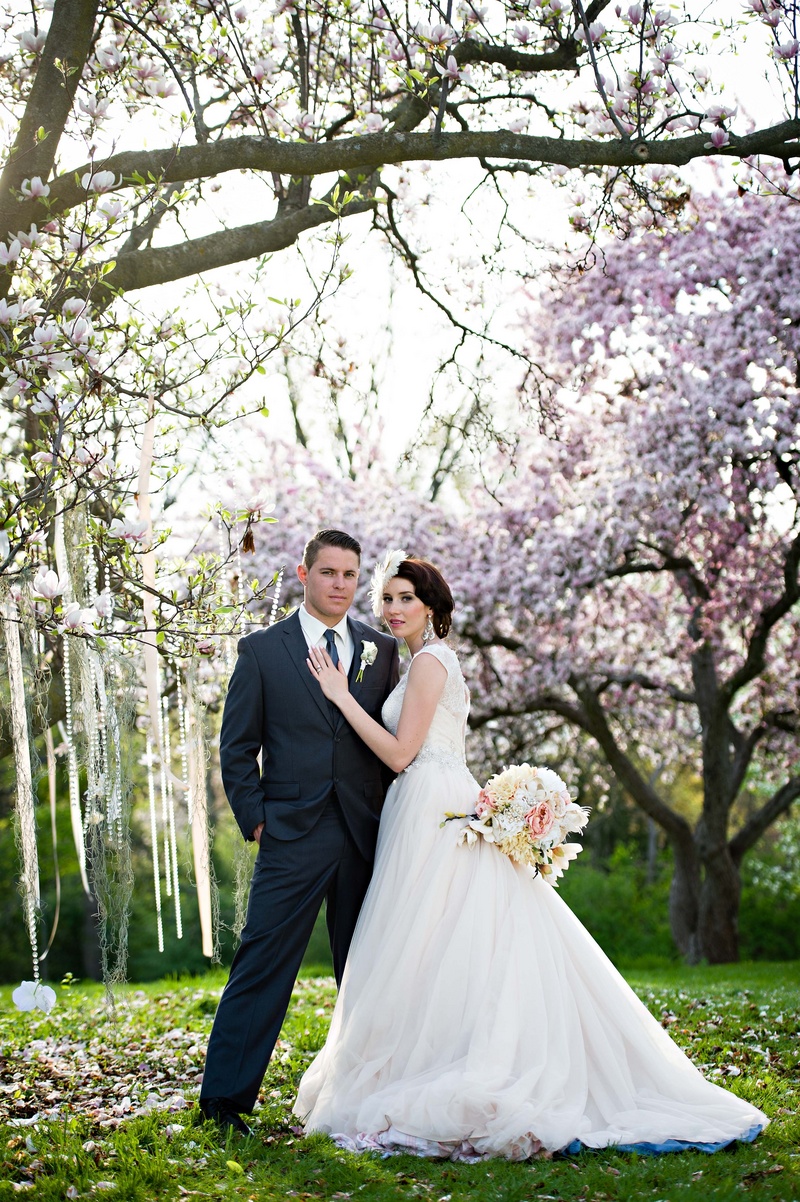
{"x":312,"y":807}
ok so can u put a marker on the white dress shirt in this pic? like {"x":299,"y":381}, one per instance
{"x":315,"y":632}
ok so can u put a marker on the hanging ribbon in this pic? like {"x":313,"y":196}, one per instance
{"x":198,"y":813}
{"x":67,"y":728}
{"x":148,"y":562}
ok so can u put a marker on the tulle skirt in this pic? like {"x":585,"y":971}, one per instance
{"x":477,"y":1016}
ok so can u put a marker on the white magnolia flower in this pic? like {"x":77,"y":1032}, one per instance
{"x":33,"y":995}
{"x":98,"y":181}
{"x":129,"y":529}
{"x":47,"y":584}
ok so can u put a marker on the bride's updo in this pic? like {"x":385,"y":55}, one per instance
{"x":432,"y":589}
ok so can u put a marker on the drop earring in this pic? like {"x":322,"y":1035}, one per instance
{"x":428,"y":633}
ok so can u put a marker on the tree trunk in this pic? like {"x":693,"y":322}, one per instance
{"x":684,"y":899}
{"x":704,"y":905}
{"x":718,"y":918}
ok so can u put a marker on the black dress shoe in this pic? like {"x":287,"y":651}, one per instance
{"x":225,"y":1115}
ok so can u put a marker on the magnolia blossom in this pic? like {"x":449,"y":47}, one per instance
{"x":103,"y":604}
{"x":108,"y":57}
{"x":47,"y":584}
{"x":32,"y":42}
{"x":8,"y":313}
{"x":787,"y":50}
{"x":131,"y":529}
{"x":718,"y":138}
{"x":75,"y":618}
{"x":33,"y":995}
{"x":10,"y":253}
{"x":34,"y":188}
{"x":98,"y":181}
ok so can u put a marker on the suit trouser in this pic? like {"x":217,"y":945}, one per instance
{"x":290,"y":881}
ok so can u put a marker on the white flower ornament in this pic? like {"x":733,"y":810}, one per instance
{"x":385,"y":570}
{"x":33,"y":995}
{"x":369,"y":653}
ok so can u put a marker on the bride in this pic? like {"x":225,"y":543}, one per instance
{"x":477,"y":1017}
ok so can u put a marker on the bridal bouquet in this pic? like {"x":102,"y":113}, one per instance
{"x":527,"y":813}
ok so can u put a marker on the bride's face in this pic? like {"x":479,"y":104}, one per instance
{"x":403,"y":611}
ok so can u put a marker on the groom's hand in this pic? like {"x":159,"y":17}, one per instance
{"x":257,"y":832}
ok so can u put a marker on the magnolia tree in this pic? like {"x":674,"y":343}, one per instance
{"x":637,"y":577}
{"x":127,"y":126}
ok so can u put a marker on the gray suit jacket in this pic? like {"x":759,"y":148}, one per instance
{"x":275,"y":707}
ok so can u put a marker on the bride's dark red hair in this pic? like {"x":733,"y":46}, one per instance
{"x":432,"y":589}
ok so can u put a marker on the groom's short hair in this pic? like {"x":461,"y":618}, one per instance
{"x":329,"y":538}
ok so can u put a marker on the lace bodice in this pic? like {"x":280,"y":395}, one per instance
{"x":444,"y":743}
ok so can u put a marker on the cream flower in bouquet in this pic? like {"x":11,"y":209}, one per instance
{"x":527,"y":813}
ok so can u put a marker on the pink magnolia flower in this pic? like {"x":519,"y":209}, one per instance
{"x":718,"y":138}
{"x":539,"y":819}
{"x":34,"y":188}
{"x":787,"y":50}
{"x":450,"y":71}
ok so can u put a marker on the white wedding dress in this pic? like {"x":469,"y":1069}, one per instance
{"x":477,"y":1017}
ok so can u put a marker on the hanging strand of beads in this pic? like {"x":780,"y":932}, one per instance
{"x":276,"y":599}
{"x":25,"y":812}
{"x":173,"y":841}
{"x":73,"y":774}
{"x":183,"y":748}
{"x":151,"y":793}
{"x":163,"y":769}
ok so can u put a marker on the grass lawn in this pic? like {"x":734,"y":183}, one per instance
{"x":95,"y":1104}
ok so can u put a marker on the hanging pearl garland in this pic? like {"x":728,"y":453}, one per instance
{"x":171,"y":836}
{"x":151,"y":793}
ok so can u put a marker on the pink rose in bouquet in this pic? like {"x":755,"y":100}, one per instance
{"x":539,"y":819}
{"x":484,"y":805}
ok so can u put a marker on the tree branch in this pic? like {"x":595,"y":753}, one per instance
{"x":546,"y":703}
{"x":158,"y":265}
{"x":68,"y":43}
{"x":767,"y":620}
{"x":372,"y":151}
{"x":623,"y":768}
{"x":780,"y":802}
{"x":614,"y":676}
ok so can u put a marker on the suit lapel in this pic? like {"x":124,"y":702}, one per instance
{"x":297,"y":647}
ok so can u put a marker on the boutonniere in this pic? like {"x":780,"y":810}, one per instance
{"x":369,"y":652}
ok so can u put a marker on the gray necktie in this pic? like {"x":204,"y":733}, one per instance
{"x":330,"y":639}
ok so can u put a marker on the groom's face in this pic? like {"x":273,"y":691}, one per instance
{"x":330,"y":584}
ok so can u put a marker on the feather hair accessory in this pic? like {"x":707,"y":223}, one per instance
{"x":385,"y":570}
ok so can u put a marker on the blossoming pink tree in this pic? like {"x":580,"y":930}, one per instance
{"x":638,"y":580}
